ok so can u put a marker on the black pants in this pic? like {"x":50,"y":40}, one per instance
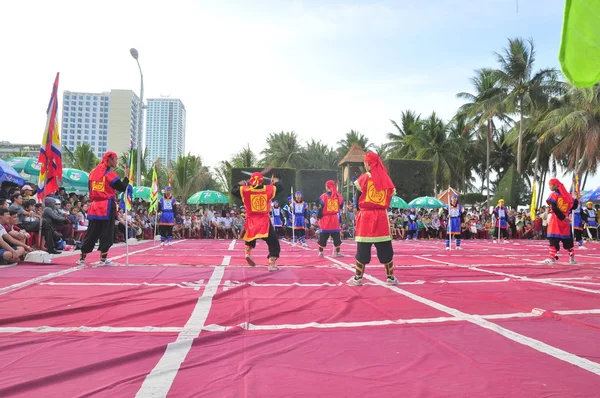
{"x":272,"y":243}
{"x":100,"y":229}
{"x":578,"y":235}
{"x":503,"y":232}
{"x":323,"y":236}
{"x":47,"y":231}
{"x":567,"y":243}
{"x":165,"y":230}
{"x":385,"y":252}
{"x":280,"y":232}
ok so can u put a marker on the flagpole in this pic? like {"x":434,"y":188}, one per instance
{"x":126,"y":235}
{"x":293,"y":216}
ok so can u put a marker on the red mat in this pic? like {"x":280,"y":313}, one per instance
{"x":176,"y":322}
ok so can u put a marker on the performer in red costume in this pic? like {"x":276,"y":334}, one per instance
{"x":329,"y":218}
{"x":375,"y":191}
{"x":103,"y":184}
{"x":257,"y":199}
{"x":559,"y":226}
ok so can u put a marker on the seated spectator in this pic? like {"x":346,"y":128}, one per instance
{"x":11,"y":249}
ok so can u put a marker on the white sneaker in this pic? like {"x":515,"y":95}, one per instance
{"x":392,"y":281}
{"x":304,"y":245}
{"x":294,"y":244}
{"x":272,"y":266}
{"x":548,"y":261}
{"x":105,"y":262}
{"x":572,"y":260}
{"x":458,"y":248}
{"x":494,"y":241}
{"x":583,"y":248}
{"x":250,"y":260}
{"x":80,"y":262}
{"x":320,"y":254}
{"x":170,"y":243}
{"x":447,"y":248}
{"x":354,"y":282}
{"x":338,"y":254}
{"x":162,"y":243}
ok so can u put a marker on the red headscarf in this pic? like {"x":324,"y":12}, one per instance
{"x":562,"y":190}
{"x":256,"y":179}
{"x":381,"y":179}
{"x":331,"y":185}
{"x":98,"y":173}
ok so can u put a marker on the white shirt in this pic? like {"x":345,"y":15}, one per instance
{"x":2,"y":230}
{"x":227,"y":221}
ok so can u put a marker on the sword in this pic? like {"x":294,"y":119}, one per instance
{"x":249,"y":173}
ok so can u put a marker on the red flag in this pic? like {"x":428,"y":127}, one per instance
{"x":50,"y":152}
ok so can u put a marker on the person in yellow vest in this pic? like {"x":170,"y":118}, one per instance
{"x":257,"y":198}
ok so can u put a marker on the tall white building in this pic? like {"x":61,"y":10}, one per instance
{"x":165,"y":130}
{"x":106,"y":121}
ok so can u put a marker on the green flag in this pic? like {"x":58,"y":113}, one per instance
{"x":580,"y":45}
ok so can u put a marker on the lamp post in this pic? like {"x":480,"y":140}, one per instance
{"x":138,"y":171}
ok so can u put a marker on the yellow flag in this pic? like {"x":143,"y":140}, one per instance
{"x":533,"y":201}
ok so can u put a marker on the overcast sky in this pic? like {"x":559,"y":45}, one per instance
{"x":245,"y":69}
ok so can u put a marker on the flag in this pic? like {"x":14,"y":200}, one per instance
{"x":50,"y":155}
{"x":153,"y":191}
{"x":580,"y":43}
{"x":533,"y":201}
{"x":171,"y":178}
{"x":129,"y":196}
{"x":577,"y":187}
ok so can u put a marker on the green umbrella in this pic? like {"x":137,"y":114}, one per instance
{"x":207,"y":198}
{"x":398,"y":203}
{"x":142,"y":193}
{"x":427,"y":202}
{"x":78,"y":190}
{"x":75,"y":178}
{"x":25,"y":165}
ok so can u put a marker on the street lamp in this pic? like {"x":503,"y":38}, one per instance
{"x":138,"y":171}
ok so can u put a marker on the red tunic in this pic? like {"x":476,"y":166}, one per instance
{"x":558,"y":228}
{"x":257,"y":202}
{"x":330,"y":220}
{"x":372,"y":223}
{"x":102,"y":195}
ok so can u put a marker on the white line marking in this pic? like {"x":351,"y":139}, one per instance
{"x":518,"y":277}
{"x":250,"y":326}
{"x":91,"y":329}
{"x":576,"y":312}
{"x":480,"y":321}
{"x":38,"y":279}
{"x":51,"y":275}
{"x":158,"y":382}
{"x":231,"y":245}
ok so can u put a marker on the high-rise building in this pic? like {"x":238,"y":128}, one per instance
{"x":106,"y":121}
{"x":165,"y":130}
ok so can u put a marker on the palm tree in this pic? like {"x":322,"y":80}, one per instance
{"x":382,"y":150}
{"x":244,"y":158}
{"x":320,"y":156}
{"x":525,"y":88}
{"x":353,"y":137}
{"x":481,"y":110}
{"x":190,"y":176}
{"x":432,"y":143}
{"x":283,"y":150}
{"x":409,"y":125}
{"x":82,"y":158}
{"x":576,"y":126}
{"x":469,"y":155}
